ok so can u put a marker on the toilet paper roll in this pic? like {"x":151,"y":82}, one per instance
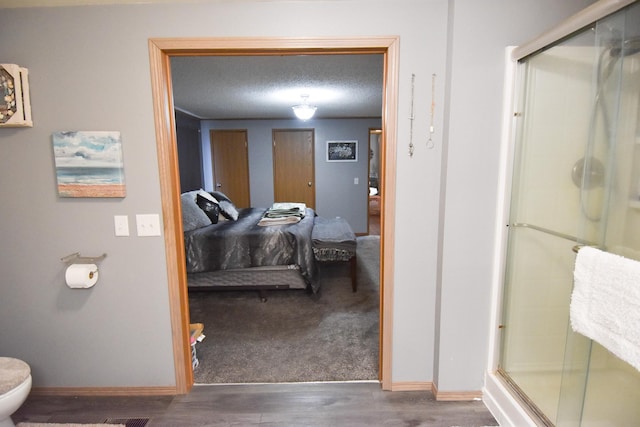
{"x":81,"y":275}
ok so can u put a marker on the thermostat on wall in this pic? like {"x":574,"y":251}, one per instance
{"x":15,"y":106}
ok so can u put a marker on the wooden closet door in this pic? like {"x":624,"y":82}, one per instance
{"x":293,"y":166}
{"x":230,"y":158}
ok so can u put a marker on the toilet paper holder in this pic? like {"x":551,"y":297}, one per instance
{"x":75,"y":258}
{"x":81,"y":272}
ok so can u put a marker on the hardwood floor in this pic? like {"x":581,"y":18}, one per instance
{"x":302,"y":404}
{"x":350,"y":404}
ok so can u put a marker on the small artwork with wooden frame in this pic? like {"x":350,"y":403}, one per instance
{"x":342,"y":151}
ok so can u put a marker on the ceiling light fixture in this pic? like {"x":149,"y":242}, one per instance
{"x":304,"y":111}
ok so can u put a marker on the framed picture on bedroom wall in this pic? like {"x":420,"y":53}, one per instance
{"x":342,"y":151}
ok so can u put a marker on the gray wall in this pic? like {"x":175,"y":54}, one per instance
{"x":336,"y":193}
{"x":480,"y":31}
{"x":189,"y":146}
{"x":89,"y":70}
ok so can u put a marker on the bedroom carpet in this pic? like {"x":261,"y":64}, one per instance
{"x":66,"y":425}
{"x":294,"y":336}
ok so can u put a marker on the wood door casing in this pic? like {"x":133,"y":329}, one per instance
{"x":160,"y":52}
{"x":230,"y":159}
{"x":293,"y":166}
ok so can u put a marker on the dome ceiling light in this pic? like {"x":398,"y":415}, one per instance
{"x":304,"y":111}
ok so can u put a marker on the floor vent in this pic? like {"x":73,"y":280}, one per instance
{"x":129,"y":422}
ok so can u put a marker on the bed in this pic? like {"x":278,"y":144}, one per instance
{"x":229,"y":250}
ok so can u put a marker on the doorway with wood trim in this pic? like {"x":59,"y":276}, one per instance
{"x":160,"y":51}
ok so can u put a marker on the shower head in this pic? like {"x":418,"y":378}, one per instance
{"x":629,"y":47}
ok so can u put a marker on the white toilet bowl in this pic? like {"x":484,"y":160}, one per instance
{"x":15,"y":385}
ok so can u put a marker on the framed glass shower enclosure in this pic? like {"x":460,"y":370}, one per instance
{"x":576,"y":181}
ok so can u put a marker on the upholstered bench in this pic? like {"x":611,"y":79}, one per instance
{"x":335,"y":241}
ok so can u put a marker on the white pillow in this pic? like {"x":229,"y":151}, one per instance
{"x":207,"y":196}
{"x":228,"y":210}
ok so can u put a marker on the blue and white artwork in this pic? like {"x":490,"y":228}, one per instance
{"x":89,"y":164}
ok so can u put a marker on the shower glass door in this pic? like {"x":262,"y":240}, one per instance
{"x":545,"y":219}
{"x":575,"y":180}
{"x":597,"y":387}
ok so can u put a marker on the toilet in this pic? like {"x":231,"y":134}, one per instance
{"x":15,"y":385}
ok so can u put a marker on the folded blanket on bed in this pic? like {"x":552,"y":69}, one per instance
{"x":279,"y":220}
{"x":289,"y":205}
{"x":283,"y":213}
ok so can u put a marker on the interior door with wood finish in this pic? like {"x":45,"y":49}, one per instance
{"x":230,"y":158}
{"x":293,"y":166}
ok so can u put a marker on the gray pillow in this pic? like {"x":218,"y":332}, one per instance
{"x":192,"y":216}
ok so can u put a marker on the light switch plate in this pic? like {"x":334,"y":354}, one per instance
{"x":121,"y":224}
{"x":148,"y":224}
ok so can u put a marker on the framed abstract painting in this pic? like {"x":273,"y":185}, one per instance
{"x":342,"y":151}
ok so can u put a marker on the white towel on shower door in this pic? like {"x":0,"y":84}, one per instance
{"x":605,"y":302}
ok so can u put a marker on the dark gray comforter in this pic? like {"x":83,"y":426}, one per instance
{"x":244,"y":244}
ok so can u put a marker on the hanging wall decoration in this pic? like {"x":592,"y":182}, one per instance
{"x":411,"y":117}
{"x":89,"y":164}
{"x":15,"y":106}
{"x":342,"y":151}
{"x":432,"y":111}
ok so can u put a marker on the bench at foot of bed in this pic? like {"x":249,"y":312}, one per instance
{"x":335,"y":241}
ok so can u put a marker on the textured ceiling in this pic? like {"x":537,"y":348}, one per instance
{"x":266,"y":87}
